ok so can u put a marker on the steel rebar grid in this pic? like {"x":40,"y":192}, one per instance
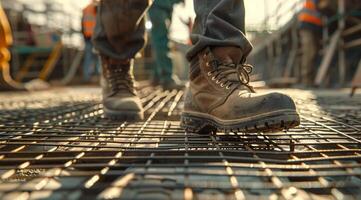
{"x":58,"y":145}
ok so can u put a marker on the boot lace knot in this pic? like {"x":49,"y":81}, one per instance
{"x":229,"y":74}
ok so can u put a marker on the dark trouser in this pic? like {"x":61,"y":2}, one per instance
{"x":310,"y":48}
{"x":120,"y":32}
{"x":91,"y":61}
{"x":160,"y":16}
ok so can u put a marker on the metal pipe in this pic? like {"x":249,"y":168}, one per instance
{"x":341,"y":50}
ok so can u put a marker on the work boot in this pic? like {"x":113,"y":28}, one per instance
{"x":219,"y":97}
{"x":120,"y":100}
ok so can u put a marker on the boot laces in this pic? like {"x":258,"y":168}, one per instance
{"x":119,"y":78}
{"x":228,"y":75}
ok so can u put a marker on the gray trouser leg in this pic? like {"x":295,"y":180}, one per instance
{"x":219,"y":23}
{"x":119,"y":32}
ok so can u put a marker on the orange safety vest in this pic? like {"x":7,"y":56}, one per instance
{"x":89,"y":19}
{"x":310,"y":14}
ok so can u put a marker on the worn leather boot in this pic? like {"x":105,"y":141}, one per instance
{"x":120,"y":100}
{"x":219,"y":97}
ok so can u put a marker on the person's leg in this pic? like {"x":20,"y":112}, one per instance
{"x":160,"y":16}
{"x":119,"y":34}
{"x":219,"y":23}
{"x":219,"y":96}
{"x":309,"y":53}
{"x":159,"y":38}
{"x":87,"y":62}
{"x":98,"y":68}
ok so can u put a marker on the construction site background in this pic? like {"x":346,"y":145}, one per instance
{"x":48,"y":45}
{"x":59,"y":144}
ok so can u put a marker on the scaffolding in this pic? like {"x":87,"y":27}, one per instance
{"x":278,"y":52}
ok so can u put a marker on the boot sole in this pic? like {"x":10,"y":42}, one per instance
{"x":125,"y":115}
{"x":267,"y":122}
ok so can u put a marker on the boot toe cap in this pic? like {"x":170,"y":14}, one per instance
{"x":123,"y":104}
{"x":279,"y":101}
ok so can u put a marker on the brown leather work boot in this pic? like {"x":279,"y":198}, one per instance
{"x":120,"y":100}
{"x":220,"y":98}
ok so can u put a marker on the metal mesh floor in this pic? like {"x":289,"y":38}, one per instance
{"x":57,"y":145}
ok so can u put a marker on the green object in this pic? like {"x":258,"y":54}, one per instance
{"x":160,"y":15}
{"x":167,"y":4}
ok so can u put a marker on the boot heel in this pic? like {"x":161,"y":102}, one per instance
{"x":196,"y":125}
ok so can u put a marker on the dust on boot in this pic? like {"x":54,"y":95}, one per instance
{"x":120,"y":100}
{"x":219,"y":97}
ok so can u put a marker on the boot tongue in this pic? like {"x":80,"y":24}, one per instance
{"x":230,"y":65}
{"x":119,"y":75}
{"x":227,"y":67}
{"x":228,"y":54}
{"x":230,"y":72}
{"x":114,"y":64}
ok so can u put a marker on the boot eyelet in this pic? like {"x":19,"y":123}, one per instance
{"x":228,"y":87}
{"x":218,"y":81}
{"x":222,"y":85}
{"x":209,"y":74}
{"x":207,"y":64}
{"x":213,"y":78}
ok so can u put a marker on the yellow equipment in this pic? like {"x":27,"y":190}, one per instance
{"x":6,"y":82}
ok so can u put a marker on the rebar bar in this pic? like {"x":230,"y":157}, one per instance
{"x":58,"y":145}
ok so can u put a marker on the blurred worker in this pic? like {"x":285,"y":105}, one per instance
{"x":91,"y":61}
{"x":310,"y":36}
{"x":160,"y":14}
{"x":219,"y":95}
